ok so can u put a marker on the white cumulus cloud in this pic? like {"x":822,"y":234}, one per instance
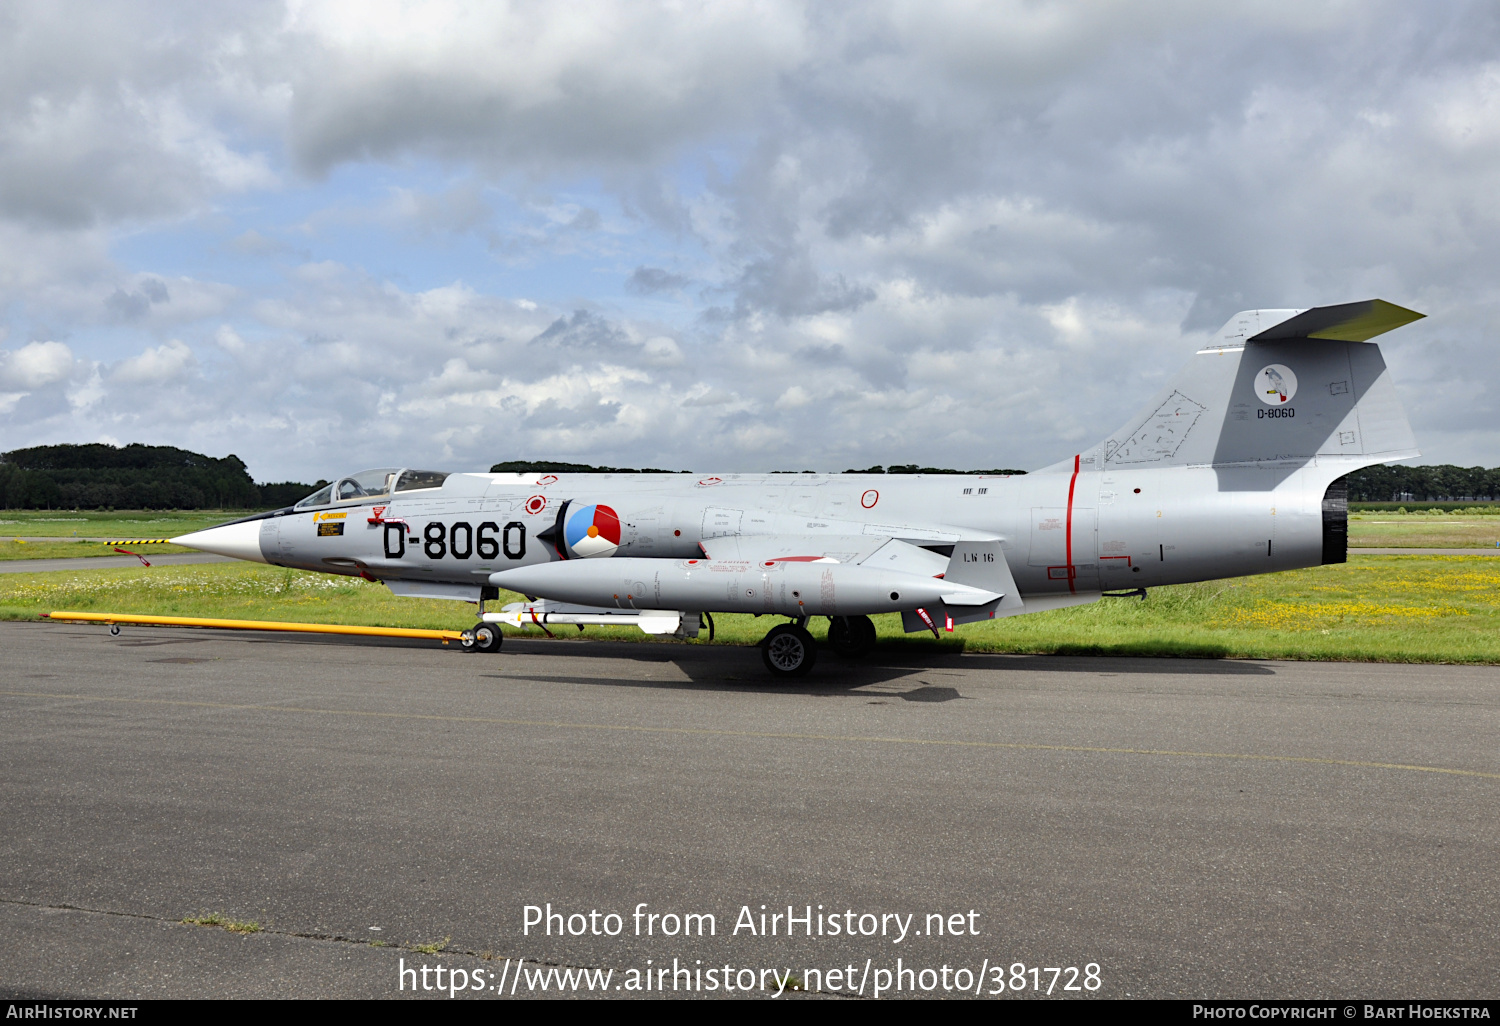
{"x":36,"y":365}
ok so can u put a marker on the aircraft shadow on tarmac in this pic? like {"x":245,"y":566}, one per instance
{"x":892,"y":672}
{"x":847,"y":680}
{"x":911,"y":676}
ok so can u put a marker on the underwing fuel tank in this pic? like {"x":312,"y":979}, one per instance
{"x":785,"y":587}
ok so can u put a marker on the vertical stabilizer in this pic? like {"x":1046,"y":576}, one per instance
{"x":1276,"y":389}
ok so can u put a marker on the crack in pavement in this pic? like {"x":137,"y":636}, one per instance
{"x":376,"y":945}
{"x":301,"y":935}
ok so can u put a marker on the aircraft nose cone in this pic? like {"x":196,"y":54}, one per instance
{"x":241,"y":541}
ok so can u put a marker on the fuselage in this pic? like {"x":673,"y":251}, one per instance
{"x":1065,"y":532}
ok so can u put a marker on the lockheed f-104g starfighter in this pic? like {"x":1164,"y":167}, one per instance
{"x":1235,"y":467}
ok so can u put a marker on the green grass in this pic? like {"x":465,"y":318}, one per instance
{"x":247,"y":591}
{"x":1423,"y":531}
{"x":15,"y":548}
{"x":215,"y":919}
{"x":1381,"y":608}
{"x":1373,"y":608}
{"x":39,"y":523}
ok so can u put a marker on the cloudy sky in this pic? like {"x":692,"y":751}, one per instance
{"x":721,"y":236}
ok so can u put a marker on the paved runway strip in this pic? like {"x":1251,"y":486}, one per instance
{"x":37,"y":566}
{"x":1197,"y":828}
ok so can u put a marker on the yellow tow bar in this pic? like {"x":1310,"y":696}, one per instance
{"x":259,"y":625}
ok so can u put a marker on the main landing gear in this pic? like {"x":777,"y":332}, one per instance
{"x":851,"y":636}
{"x":789,"y":650}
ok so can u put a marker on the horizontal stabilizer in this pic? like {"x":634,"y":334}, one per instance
{"x":1346,"y":322}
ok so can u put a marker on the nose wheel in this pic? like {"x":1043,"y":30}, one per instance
{"x":788,"y":651}
{"x":484,"y":637}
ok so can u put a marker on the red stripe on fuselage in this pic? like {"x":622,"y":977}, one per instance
{"x":1072,"y":483}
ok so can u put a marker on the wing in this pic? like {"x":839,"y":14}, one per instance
{"x":870,"y":550}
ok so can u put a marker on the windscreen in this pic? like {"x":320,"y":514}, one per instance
{"x":321,"y":497}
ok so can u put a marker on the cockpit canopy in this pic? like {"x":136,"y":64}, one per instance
{"x":373,"y":484}
{"x":411,"y":480}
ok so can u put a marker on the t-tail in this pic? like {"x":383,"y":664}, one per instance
{"x":1242,"y":455}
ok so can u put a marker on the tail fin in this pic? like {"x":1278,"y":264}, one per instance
{"x":1276,"y":389}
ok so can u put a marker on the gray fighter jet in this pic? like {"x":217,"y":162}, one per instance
{"x":1234,"y":468}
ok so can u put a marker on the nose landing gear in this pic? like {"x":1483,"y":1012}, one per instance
{"x":484,"y":637}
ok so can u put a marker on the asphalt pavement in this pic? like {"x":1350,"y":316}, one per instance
{"x":38,"y":566}
{"x":1189,"y":828}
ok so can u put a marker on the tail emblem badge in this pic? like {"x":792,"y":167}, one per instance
{"x":1275,"y":385}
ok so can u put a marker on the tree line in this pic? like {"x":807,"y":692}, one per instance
{"x":99,"y":476}
{"x":1442,"y":483}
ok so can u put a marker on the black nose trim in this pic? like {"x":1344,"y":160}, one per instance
{"x":554,"y":535}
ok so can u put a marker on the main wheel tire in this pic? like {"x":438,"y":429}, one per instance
{"x":788,"y":651}
{"x":851,"y":636}
{"x":862,"y":631}
{"x":487,"y":638}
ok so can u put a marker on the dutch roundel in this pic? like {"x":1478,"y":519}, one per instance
{"x":592,"y":531}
